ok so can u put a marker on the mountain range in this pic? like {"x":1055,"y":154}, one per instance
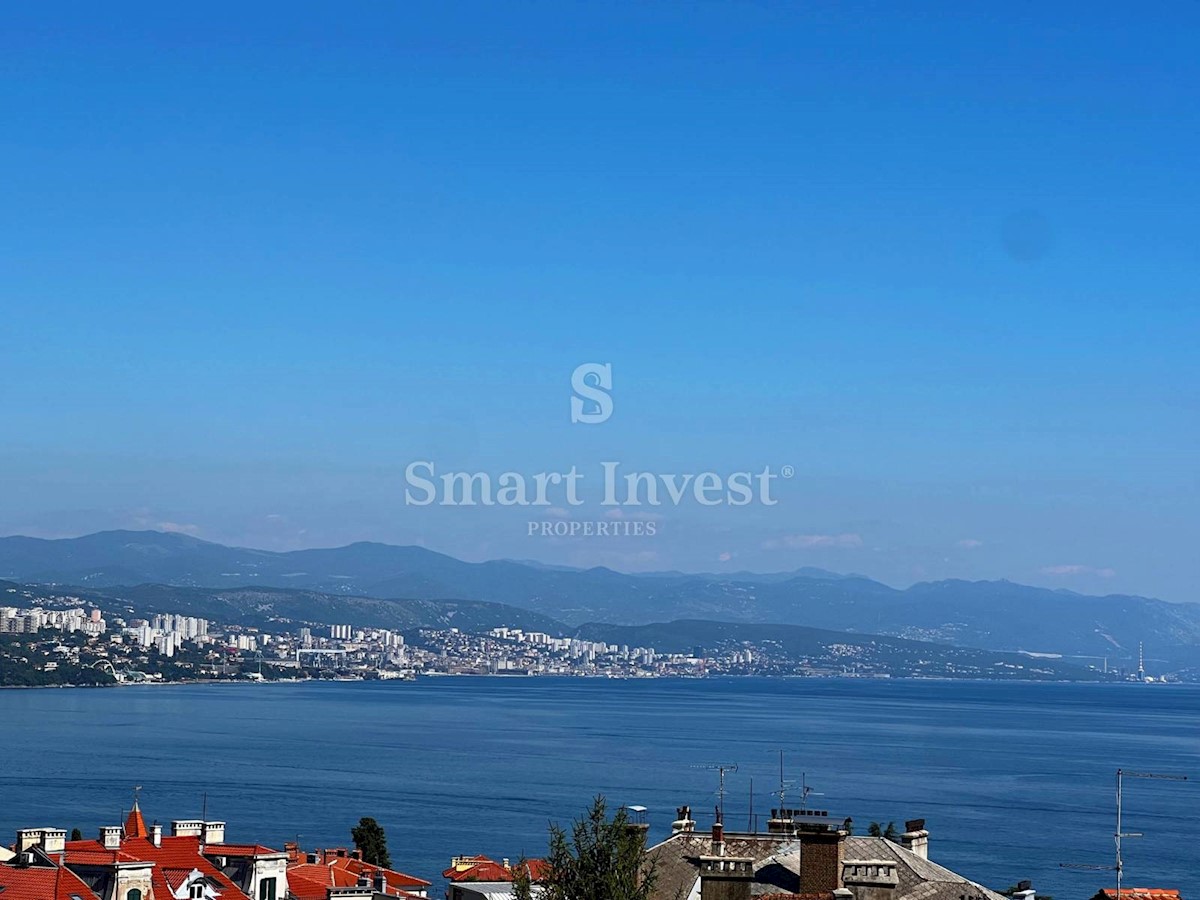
{"x":995,"y":615}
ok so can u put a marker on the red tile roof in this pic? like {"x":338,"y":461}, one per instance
{"x":135,"y":825}
{"x":176,"y":853}
{"x":238,"y":850}
{"x":1139,"y":893}
{"x":396,"y":881}
{"x":485,"y":869}
{"x":42,"y":883}
{"x":344,"y":871}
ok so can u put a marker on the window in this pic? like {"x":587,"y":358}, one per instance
{"x":133,"y":894}
{"x":196,"y":890}
{"x":266,"y":889}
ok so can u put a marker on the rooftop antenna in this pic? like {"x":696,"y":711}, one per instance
{"x":784,"y":784}
{"x":1118,"y":865}
{"x":721,"y":769}
{"x":805,"y":790}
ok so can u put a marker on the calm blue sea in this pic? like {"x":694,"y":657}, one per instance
{"x":1012,"y":778}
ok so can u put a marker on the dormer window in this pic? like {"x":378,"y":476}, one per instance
{"x":196,"y":890}
{"x":133,"y":894}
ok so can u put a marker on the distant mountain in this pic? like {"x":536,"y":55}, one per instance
{"x":997,"y":615}
{"x":281,"y":608}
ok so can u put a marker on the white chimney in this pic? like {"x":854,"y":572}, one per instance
{"x":187,"y":828}
{"x":54,"y":840}
{"x":915,"y":838}
{"x":110,"y":837}
{"x":26,"y":838}
{"x":214,"y":832}
{"x":156,"y":834}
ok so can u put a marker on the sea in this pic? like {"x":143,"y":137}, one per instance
{"x":1013,"y":779}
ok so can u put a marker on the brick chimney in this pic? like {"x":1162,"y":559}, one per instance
{"x":821,"y":853}
{"x":718,"y":837}
{"x":110,"y":837}
{"x":915,"y":838}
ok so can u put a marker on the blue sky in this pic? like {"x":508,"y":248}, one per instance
{"x":941,"y":260}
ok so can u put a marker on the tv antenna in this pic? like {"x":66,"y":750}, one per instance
{"x":721,"y":769}
{"x":806,"y":790}
{"x":1118,"y":835}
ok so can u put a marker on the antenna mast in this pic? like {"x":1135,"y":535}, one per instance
{"x":1118,"y":863}
{"x":721,"y":769}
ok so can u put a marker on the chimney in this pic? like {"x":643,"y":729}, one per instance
{"x":683,"y":820}
{"x":110,"y":837}
{"x":364,"y":880}
{"x":313,"y":858}
{"x":380,"y":882}
{"x":156,"y":834}
{"x":876,"y":879}
{"x":726,"y":877}
{"x":54,"y":840}
{"x":505,"y":863}
{"x":915,"y":838}
{"x":821,"y":853}
{"x":214,"y":833}
{"x":781,"y":822}
{"x":27,"y":838}
{"x":1024,"y":891}
{"x":187,"y":828}
{"x":718,"y":838}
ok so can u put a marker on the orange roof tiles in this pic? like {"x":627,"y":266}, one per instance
{"x":1140,"y":893}
{"x":135,"y":825}
{"x":174,"y":853}
{"x":308,"y":881}
{"x":42,"y":883}
{"x":485,"y":869}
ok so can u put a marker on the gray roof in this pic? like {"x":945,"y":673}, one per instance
{"x":776,"y":866}
{"x":920,"y":879}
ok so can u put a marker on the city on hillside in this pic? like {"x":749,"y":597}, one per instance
{"x":49,"y":638}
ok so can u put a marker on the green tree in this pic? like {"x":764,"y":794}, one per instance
{"x":602,"y":859}
{"x":369,"y":837}
{"x":76,"y":834}
{"x":877,"y":830}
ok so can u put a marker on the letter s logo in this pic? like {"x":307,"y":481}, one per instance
{"x":592,"y":381}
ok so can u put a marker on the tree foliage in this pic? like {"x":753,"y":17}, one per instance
{"x":601,"y":859}
{"x":877,"y":830}
{"x":369,"y":837}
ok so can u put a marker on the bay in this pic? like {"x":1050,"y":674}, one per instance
{"x":1013,"y":779}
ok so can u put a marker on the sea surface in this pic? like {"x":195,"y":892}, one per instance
{"x":1013,"y":779}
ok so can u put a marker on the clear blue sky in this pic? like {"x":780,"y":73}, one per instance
{"x":256,"y":258}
